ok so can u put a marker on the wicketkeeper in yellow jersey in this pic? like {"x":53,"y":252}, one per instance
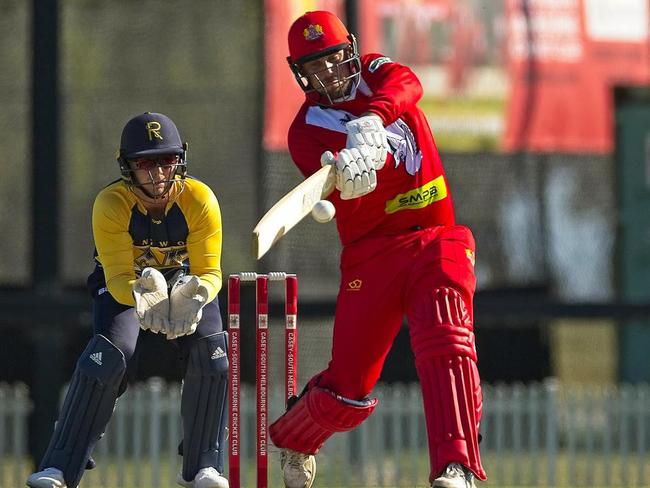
{"x":158,"y":251}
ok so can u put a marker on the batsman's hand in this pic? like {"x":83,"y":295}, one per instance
{"x":368,"y":133}
{"x":355,"y":172}
{"x":186,"y":300}
{"x":151,"y":300}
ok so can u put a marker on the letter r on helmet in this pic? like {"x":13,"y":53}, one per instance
{"x":153,"y":130}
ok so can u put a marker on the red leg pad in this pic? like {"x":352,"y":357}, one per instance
{"x":317,"y":415}
{"x":445,"y":354}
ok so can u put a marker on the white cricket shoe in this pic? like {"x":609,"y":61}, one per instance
{"x":48,"y":478}
{"x":454,"y":476}
{"x":299,"y":469}
{"x":205,"y":478}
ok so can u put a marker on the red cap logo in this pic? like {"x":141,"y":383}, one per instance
{"x":316,"y":32}
{"x":313,"y":32}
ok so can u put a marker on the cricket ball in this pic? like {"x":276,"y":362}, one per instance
{"x":323,"y":211}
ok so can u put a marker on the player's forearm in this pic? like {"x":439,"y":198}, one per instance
{"x":306,"y":151}
{"x":118,"y":271}
{"x":212,"y":282}
{"x":397,"y":92}
{"x":204,"y":252}
{"x":120,"y":287}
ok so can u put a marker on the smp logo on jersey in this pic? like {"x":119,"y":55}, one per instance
{"x":153,"y":130}
{"x":421,"y":197}
{"x":355,"y":285}
{"x":313,"y":32}
{"x":376,"y":63}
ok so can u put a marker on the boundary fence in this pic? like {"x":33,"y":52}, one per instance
{"x":540,"y":434}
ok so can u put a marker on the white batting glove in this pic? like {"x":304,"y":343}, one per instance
{"x":368,"y":132}
{"x":151,"y":300}
{"x":186,"y":300}
{"x":355,"y":172}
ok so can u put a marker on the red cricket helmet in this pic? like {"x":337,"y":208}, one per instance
{"x":314,"y":34}
{"x":317,"y":34}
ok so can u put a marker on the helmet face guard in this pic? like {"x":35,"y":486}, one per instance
{"x":347,"y":74}
{"x":151,"y":141}
{"x":176,"y":162}
{"x":314,"y":35}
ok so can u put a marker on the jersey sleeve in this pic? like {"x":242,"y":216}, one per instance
{"x":395,"y":87}
{"x":307,"y":144}
{"x":204,"y":241}
{"x":110,"y":222}
{"x":304,"y":147}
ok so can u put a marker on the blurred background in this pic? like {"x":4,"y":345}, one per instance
{"x":541,"y":110}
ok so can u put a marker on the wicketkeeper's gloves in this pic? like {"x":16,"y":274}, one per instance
{"x":186,"y":300}
{"x":151,"y":300}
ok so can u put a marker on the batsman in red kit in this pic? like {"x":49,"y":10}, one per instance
{"x":403,"y":255}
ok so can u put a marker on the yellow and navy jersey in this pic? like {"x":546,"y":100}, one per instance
{"x":128,"y":239}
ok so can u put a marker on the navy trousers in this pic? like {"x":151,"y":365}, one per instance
{"x":119,"y":324}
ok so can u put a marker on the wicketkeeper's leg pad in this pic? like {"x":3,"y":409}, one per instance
{"x":203,"y":405}
{"x":445,"y":356}
{"x":317,"y":415}
{"x":88,"y":406}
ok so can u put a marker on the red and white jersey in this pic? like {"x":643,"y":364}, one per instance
{"x":412,"y":189}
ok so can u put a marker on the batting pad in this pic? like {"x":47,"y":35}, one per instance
{"x":445,"y":359}
{"x":88,"y":406}
{"x":203,"y":405}
{"x":317,"y":415}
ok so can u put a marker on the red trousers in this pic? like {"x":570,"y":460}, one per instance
{"x":386,"y":278}
{"x":382,"y":279}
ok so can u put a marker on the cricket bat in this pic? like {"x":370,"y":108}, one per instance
{"x":292,"y":208}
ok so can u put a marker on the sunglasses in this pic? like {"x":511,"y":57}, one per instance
{"x":148,"y":164}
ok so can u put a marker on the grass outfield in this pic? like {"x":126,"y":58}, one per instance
{"x":525,"y":470}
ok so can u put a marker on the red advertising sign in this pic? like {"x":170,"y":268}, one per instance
{"x":510,"y":75}
{"x":565,"y":56}
{"x":282,"y":94}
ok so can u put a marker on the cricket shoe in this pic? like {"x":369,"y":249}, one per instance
{"x":205,"y":478}
{"x":455,"y":475}
{"x":48,"y":478}
{"x":299,"y":469}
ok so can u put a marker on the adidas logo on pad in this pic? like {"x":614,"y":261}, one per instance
{"x":218,"y":353}
{"x":97,"y":357}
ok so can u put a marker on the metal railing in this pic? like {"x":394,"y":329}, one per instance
{"x":533,"y":435}
{"x":15,"y":407}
